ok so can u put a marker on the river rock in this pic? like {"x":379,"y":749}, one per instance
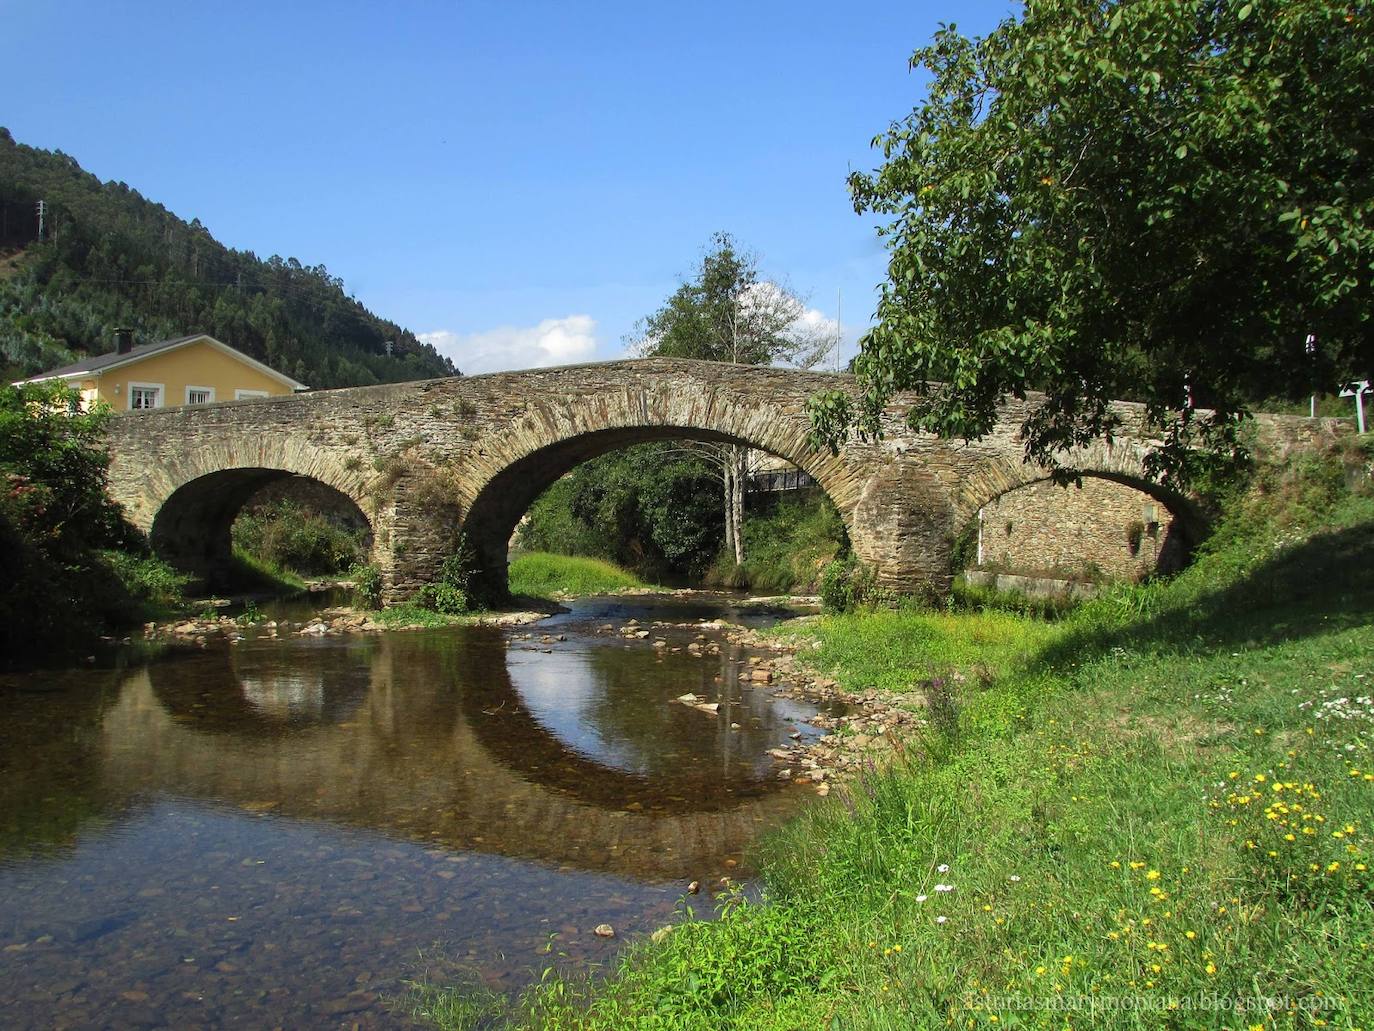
{"x":604,"y":931}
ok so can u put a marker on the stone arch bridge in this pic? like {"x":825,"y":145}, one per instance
{"x":428,"y":459}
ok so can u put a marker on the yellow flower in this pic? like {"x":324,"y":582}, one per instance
{"x":1136,"y":864}
{"x":1153,"y":875}
{"x":1211,"y":969}
{"x":1190,"y":935}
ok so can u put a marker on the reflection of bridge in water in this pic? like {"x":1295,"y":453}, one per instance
{"x":428,"y":737}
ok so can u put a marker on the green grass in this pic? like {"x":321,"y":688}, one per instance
{"x":539,"y":574}
{"x":1111,"y":806}
{"x":150,"y":582}
{"x":252,"y":573}
{"x":413,"y":615}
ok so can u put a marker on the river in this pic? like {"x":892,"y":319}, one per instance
{"x":284,"y":831}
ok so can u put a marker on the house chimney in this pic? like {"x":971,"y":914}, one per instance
{"x":124,"y":341}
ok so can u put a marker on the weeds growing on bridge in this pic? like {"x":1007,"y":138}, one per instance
{"x":1157,"y":813}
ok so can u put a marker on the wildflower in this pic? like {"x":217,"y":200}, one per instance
{"x":1153,"y":875}
{"x":922,"y":898}
{"x":944,"y":887}
{"x":941,"y":919}
{"x":1211,"y":969}
{"x":1136,"y":864}
{"x":1014,"y":878}
{"x":1116,"y":865}
{"x":1190,"y":935}
{"x":942,"y":868}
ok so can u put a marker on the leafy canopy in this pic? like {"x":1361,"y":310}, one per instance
{"x":1151,"y":200}
{"x":52,"y":471}
{"x":727,"y":312}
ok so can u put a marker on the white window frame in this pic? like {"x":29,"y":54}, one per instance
{"x":160,"y":388}
{"x":208,"y":390}
{"x":247,"y":395}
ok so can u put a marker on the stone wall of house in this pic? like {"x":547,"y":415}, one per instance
{"x":1100,"y":529}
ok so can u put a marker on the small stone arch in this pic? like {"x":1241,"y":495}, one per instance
{"x":1115,"y":462}
{"x":187,"y":505}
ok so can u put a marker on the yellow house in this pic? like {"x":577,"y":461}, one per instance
{"x":190,"y":370}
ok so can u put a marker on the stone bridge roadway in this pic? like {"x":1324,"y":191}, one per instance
{"x":425,"y":460}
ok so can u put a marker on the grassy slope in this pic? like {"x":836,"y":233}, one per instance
{"x":1113,"y":808}
{"x":539,"y":574}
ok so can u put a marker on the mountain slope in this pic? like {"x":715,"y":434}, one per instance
{"x":109,"y":257}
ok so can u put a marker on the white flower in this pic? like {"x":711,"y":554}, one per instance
{"x":1014,"y":878}
{"x":941,"y":919}
{"x":922,"y":898}
{"x":942,"y":868}
{"x":944,"y":887}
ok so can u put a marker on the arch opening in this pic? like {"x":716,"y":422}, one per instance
{"x":502,"y":502}
{"x":194,"y":528}
{"x":1110,"y":527}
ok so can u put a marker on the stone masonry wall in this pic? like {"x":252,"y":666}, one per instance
{"x":1099,"y":529}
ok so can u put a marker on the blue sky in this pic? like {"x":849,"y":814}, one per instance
{"x":519,"y":181}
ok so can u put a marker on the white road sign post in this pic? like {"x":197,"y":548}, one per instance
{"x":1358,"y":391}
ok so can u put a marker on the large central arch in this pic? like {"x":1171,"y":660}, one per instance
{"x":519,"y":463}
{"x":500,"y":504}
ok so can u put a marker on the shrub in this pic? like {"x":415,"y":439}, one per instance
{"x":291,"y":537}
{"x":451,"y":593}
{"x":367,"y":586}
{"x":848,"y":584}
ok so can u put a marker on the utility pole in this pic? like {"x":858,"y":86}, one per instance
{"x":42,"y":215}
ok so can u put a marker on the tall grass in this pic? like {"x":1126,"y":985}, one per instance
{"x":539,"y":574}
{"x":1155,"y":812}
{"x":788,"y":540}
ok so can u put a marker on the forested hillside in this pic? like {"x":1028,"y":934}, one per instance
{"x":109,"y":257}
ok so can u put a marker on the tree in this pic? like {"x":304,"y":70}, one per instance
{"x":1147,"y":199}
{"x":52,"y":471}
{"x":727,"y":312}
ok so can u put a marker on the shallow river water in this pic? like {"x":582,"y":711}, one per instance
{"x":282,"y":833}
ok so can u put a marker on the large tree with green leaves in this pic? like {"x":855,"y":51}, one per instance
{"x":1150,"y":199}
{"x":729,"y":312}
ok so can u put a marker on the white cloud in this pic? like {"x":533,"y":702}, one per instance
{"x":552,"y":342}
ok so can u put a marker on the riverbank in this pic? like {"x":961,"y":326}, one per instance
{"x":1154,"y":812}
